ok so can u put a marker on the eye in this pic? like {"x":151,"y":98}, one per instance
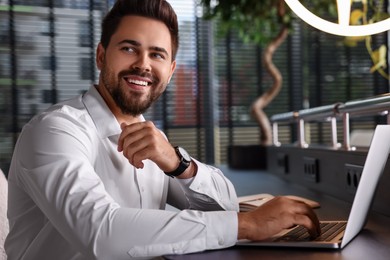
{"x":158,"y":55}
{"x":127,"y":49}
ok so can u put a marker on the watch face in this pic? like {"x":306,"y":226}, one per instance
{"x":184,"y":153}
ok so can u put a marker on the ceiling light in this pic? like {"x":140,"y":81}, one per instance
{"x":342,"y":28}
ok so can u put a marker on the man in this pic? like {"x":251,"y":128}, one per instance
{"x":90,"y":178}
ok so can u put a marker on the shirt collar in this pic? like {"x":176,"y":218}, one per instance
{"x":105,"y":122}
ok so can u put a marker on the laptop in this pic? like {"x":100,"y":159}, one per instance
{"x":342,"y":232}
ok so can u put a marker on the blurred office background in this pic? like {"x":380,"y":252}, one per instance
{"x":47,"y":50}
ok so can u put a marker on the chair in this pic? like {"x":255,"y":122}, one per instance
{"x":4,"y":228}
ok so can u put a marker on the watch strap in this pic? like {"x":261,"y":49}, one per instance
{"x":183,"y":165}
{"x":178,"y":171}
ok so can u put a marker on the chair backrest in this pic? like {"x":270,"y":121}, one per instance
{"x":4,"y":228}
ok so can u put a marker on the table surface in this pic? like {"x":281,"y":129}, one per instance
{"x":373,"y":242}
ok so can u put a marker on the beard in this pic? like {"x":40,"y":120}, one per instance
{"x":130,"y":102}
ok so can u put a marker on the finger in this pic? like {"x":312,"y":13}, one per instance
{"x":311,"y":226}
{"x":137,"y":164}
{"x":136,"y":151}
{"x":300,"y":213}
{"x":139,"y":154}
{"x":142,"y":144}
{"x":314,"y":220}
{"x":129,"y":132}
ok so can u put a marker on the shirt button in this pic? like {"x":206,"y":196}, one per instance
{"x":221,"y":241}
{"x":142,"y":189}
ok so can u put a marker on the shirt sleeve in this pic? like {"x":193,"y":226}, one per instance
{"x":209,"y":190}
{"x":55,"y":170}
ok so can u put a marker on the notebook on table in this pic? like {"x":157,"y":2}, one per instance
{"x":251,"y":202}
{"x":337,"y":234}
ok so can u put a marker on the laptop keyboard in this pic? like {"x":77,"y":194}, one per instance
{"x":329,"y":230}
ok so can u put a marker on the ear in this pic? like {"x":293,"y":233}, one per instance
{"x":173,"y":67}
{"x":100,"y":54}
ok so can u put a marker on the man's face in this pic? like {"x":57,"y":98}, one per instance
{"x":136,"y":66}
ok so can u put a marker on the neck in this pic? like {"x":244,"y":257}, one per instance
{"x":120,"y":117}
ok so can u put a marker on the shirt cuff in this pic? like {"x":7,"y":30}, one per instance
{"x":222,"y":229}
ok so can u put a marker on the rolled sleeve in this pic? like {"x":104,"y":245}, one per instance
{"x":210,"y":190}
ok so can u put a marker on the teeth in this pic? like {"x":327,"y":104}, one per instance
{"x":138,"y":82}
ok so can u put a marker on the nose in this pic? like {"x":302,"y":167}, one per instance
{"x":142,"y":63}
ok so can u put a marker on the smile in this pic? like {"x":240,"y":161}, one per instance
{"x":138,"y":82}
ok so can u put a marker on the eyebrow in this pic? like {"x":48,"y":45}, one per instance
{"x":137,"y":44}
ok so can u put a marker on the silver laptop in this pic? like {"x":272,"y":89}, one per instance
{"x":337,"y":234}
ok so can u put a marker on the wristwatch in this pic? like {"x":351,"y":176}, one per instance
{"x":185,"y":160}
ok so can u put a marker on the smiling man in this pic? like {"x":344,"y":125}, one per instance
{"x":90,"y":178}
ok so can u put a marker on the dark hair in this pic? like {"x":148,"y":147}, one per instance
{"x":160,"y":10}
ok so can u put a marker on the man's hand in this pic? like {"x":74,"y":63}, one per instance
{"x":274,"y":216}
{"x":143,"y":140}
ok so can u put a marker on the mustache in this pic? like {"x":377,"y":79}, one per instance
{"x":137,"y":72}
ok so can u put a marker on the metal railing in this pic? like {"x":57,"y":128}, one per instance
{"x":331,"y":113}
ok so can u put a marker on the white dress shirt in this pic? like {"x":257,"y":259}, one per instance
{"x":72,"y":195}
